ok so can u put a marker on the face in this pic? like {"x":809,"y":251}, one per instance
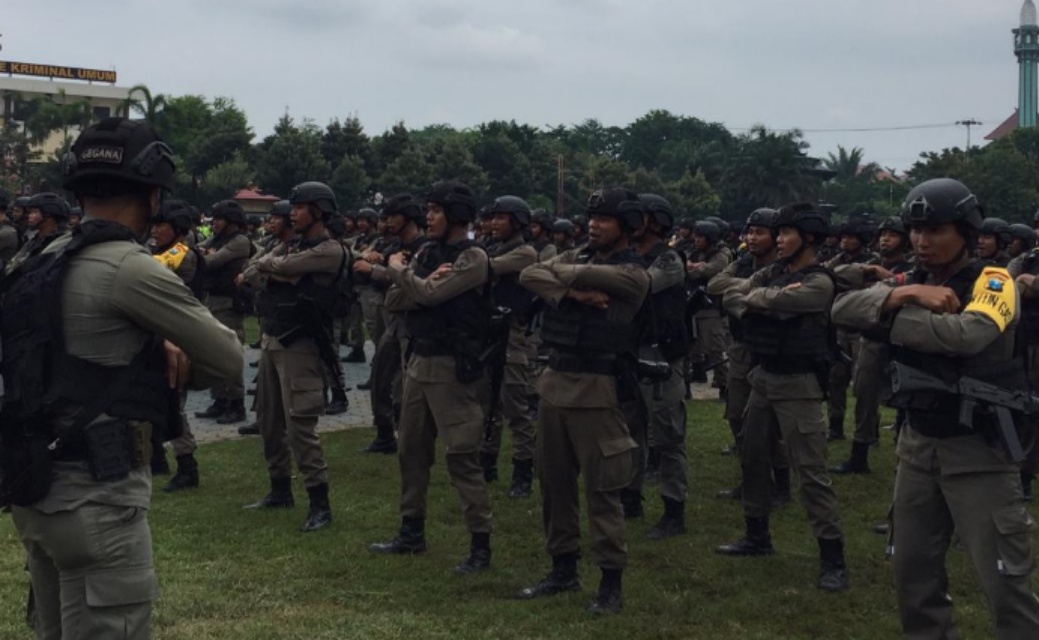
{"x":936,"y":245}
{"x":163,"y":234}
{"x":536,"y":229}
{"x":850,"y":243}
{"x":501,"y":226}
{"x":301,"y":218}
{"x":890,"y":242}
{"x":603,"y":232}
{"x":832,"y":241}
{"x":436,"y":221}
{"x":383,"y":226}
{"x":788,"y":241}
{"x":987,"y":246}
{"x":701,"y":242}
{"x":74,"y":221}
{"x":396,"y":223}
{"x":219,"y":225}
{"x":350,"y":225}
{"x":559,"y":239}
{"x":363,"y":225}
{"x":1016,"y":247}
{"x":34,"y":218}
{"x":759,"y":240}
{"x":18,"y":213}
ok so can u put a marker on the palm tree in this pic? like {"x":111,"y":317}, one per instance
{"x":848,"y":165}
{"x":147,"y":105}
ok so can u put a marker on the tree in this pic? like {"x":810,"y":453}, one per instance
{"x":602,"y":173}
{"x":141,"y":100}
{"x":694,"y":196}
{"x":222,"y":181}
{"x":454,"y":161}
{"x":768,"y":169}
{"x":411,"y":172}
{"x":226,"y":135}
{"x":350,"y":182}
{"x":389,"y":146}
{"x":508,"y":169}
{"x":290,"y":156}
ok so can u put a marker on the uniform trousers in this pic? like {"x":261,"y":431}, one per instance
{"x":222,"y":308}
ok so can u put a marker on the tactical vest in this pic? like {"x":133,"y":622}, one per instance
{"x":744,"y":270}
{"x":882,"y":334}
{"x":293,"y":311}
{"x":542,"y":243}
{"x":802,"y":344}
{"x":509,"y":293}
{"x":1030,"y":306}
{"x":936,"y":414}
{"x":457,"y":326}
{"x":220,"y":281}
{"x":667,"y":307}
{"x":584,"y":333}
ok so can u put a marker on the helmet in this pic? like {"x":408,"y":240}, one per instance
{"x":315,"y":193}
{"x":659,"y":210}
{"x":76,"y":212}
{"x":254,"y":220}
{"x":564,"y":226}
{"x":708,"y":230}
{"x":281,"y":208}
{"x":515,"y":207}
{"x":407,"y":205}
{"x":119,"y":148}
{"x":22,"y":202}
{"x":858,"y":227}
{"x":1025,"y":234}
{"x":51,"y":205}
{"x":893,"y":224}
{"x":723,"y":226}
{"x":580,"y":221}
{"x":687,"y":223}
{"x":543,"y":218}
{"x":230,"y":211}
{"x":350,"y":215}
{"x":805,"y":219}
{"x":997,"y":227}
{"x":456,"y":198}
{"x":336,"y":225}
{"x":484,"y":214}
{"x":368,"y":214}
{"x":941,"y":201}
{"x":175,"y":213}
{"x":622,"y":204}
{"x":760,"y":218}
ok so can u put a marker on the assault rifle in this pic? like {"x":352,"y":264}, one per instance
{"x":494,"y":358}
{"x":973,"y":394}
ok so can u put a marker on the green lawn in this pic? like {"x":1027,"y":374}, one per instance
{"x":228,"y":573}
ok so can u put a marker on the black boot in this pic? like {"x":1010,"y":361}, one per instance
{"x":609,"y":600}
{"x":320,"y":515}
{"x":339,"y":403}
{"x":355,"y":355}
{"x":489,"y":462}
{"x":215,"y":410}
{"x":757,"y":542}
{"x":384,"y":442}
{"x":280,"y":496}
{"x":652,"y":466}
{"x":1026,"y":486}
{"x":522,"y":478}
{"x":479,"y":558}
{"x":410,"y":540}
{"x":251,"y":429}
{"x":857,"y":463}
{"x":781,"y":488}
{"x":672,"y":523}
{"x":736,"y":493}
{"x":631,"y":500}
{"x":235,"y":412}
{"x":562,"y":578}
{"x":836,"y":428}
{"x":160,"y":465}
{"x":186,"y":476}
{"x":833,"y":573}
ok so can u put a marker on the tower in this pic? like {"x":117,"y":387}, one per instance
{"x":1026,"y":46}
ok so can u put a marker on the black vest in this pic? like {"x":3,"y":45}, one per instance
{"x":744,"y":270}
{"x":220,"y":282}
{"x":666,"y":308}
{"x":1030,"y":306}
{"x":508,"y":292}
{"x":292,"y":311}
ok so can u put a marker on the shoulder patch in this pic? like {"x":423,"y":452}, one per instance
{"x":994,"y":296}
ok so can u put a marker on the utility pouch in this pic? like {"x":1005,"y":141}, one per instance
{"x":28,"y":467}
{"x":112,"y":449}
{"x":468,"y":368}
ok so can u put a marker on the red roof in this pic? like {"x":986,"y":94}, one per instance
{"x":1005,"y":129}
{"x":253,"y":194}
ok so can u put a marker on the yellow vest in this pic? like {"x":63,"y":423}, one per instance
{"x":173,"y":256}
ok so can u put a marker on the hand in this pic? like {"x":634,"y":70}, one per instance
{"x":1025,"y":281}
{"x":373,"y":257}
{"x":690,"y":265}
{"x":362,"y":266}
{"x":239,"y":280}
{"x":934,"y":299}
{"x":792,"y":286}
{"x":596,"y":299}
{"x":397,"y":260}
{"x":441,"y":271}
{"x":178,"y":366}
{"x":878,"y":272}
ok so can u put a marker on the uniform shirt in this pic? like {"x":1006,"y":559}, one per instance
{"x":115,"y":297}
{"x":8,"y":242}
{"x":180,"y":260}
{"x":236,"y":248}
{"x":627,"y":286}
{"x":547,"y":252}
{"x":740,"y":359}
{"x":712,"y":262}
{"x":514,"y":255}
{"x":395,"y":321}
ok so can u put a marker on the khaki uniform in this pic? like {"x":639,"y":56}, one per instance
{"x":1028,"y":262}
{"x":961,"y":482}
{"x":712,"y":334}
{"x":436,"y":404}
{"x":8,"y":243}
{"x":88,"y":542}
{"x":222,"y":306}
{"x":842,"y":372}
{"x":581,"y":427}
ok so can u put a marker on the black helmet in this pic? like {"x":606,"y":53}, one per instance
{"x":858,"y":227}
{"x":456,"y":198}
{"x":336,"y":225}
{"x":175,"y":213}
{"x":996,"y":227}
{"x":763,"y":217}
{"x":659,"y":210}
{"x":51,"y":205}
{"x":1025,"y":234}
{"x":406,"y":205}
{"x":369,"y":214}
{"x":315,"y":193}
{"x":622,"y":204}
{"x":119,"y":148}
{"x":709,"y":230}
{"x":22,"y":202}
{"x":941,"y":201}
{"x":76,"y":212}
{"x":687,"y":223}
{"x":723,"y":227}
{"x":893,"y":224}
{"x":564,"y":226}
{"x":543,"y":218}
{"x":281,"y":208}
{"x":805,"y":219}
{"x":580,"y":221}
{"x":484,"y":214}
{"x":230,"y":211}
{"x":514,"y":206}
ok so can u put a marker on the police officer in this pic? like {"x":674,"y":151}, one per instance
{"x":710,"y":258}
{"x":1022,"y":239}
{"x":592,"y":296}
{"x":8,"y":233}
{"x":540,"y":231}
{"x":299,"y":289}
{"x":563,"y":235}
{"x":19,"y":214}
{"x":953,"y":316}
{"x":580,"y":230}
{"x":46,"y":218}
{"x":684,"y":243}
{"x":510,"y":254}
{"x":446,"y":321}
{"x":1024,"y":270}
{"x":785,"y":312}
{"x":365,"y":221}
{"x":225,"y":255}
{"x":758,"y":233}
{"x":82,"y":511}
{"x":993,"y":240}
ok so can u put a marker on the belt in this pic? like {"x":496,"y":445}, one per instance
{"x":606,"y":364}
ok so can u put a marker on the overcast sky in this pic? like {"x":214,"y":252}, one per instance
{"x":812,"y":64}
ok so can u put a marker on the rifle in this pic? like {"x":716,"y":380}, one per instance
{"x":494,"y":358}
{"x":972,"y":393}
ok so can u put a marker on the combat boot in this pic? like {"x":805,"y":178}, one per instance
{"x":609,"y":599}
{"x":857,"y":463}
{"x":339,"y":404}
{"x":280,"y":496}
{"x":672,"y":523}
{"x":410,"y":540}
{"x":186,"y":476}
{"x":251,"y":429}
{"x":562,"y":578}
{"x":833,"y":572}
{"x":836,"y":429}
{"x":356,"y":355}
{"x":215,"y":410}
{"x":489,"y":463}
{"x":757,"y":541}
{"x":522,"y":478}
{"x":235,"y":412}
{"x":479,"y":558}
{"x":631,"y":500}
{"x":320,"y":515}
{"x":781,"y":488}
{"x":384,"y":442}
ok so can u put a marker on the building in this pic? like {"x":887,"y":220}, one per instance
{"x":1026,"y":48}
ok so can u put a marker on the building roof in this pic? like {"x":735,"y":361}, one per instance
{"x":254,"y":194}
{"x":1028,"y":14}
{"x":1009,"y":126}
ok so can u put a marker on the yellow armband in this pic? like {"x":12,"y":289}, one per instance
{"x":172,"y":257}
{"x":994,"y":297}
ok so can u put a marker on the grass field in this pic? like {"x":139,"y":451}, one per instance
{"x":229,"y":574}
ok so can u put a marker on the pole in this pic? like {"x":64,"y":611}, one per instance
{"x":968,"y":123}
{"x":559,"y":185}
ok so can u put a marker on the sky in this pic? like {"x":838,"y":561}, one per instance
{"x":811,"y":64}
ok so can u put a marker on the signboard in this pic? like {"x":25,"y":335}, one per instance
{"x":55,"y":71}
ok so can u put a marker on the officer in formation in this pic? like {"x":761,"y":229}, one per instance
{"x":708,"y":257}
{"x":110,"y":366}
{"x":46,"y":218}
{"x":993,"y":242}
{"x":563,"y":235}
{"x":8,"y":233}
{"x":1024,"y":270}
{"x":1022,"y":240}
{"x":540,"y":230}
